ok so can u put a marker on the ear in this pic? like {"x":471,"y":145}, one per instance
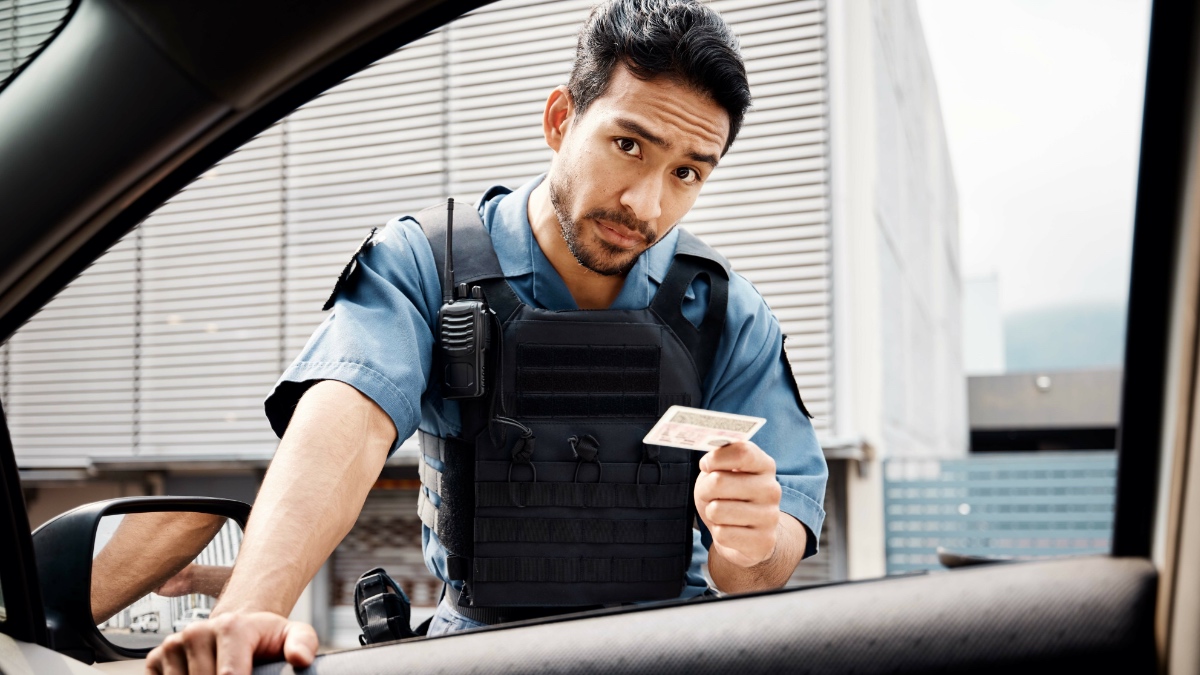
{"x":556,"y":119}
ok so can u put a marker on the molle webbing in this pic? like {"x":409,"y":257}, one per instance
{"x":581,"y":495}
{"x":538,"y":380}
{"x":579,"y":531}
{"x":638,"y":358}
{"x":587,"y":380}
{"x":578,"y":570}
{"x":587,"y":405}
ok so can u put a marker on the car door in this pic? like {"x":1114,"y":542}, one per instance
{"x":1087,"y":613}
{"x":23,"y":643}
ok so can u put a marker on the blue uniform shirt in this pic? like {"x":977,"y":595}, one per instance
{"x":379,"y":339}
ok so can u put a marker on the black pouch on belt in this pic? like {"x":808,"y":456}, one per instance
{"x":382,"y":609}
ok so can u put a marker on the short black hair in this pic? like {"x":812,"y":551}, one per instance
{"x":684,"y":40}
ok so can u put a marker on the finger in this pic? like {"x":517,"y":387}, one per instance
{"x":235,"y":652}
{"x":744,"y":514}
{"x":749,"y":487}
{"x":200,"y":645}
{"x":742,"y":456}
{"x":300,"y":644}
{"x":174,"y":656}
{"x":154,"y":661}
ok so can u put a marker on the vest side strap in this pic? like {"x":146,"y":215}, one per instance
{"x":427,"y":511}
{"x":432,"y":446}
{"x":431,"y":478}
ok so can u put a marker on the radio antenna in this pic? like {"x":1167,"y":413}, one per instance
{"x":448,"y":277}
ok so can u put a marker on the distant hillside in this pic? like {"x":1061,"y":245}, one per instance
{"x":1065,"y":338}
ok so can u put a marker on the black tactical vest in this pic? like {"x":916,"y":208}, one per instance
{"x":549,"y":498}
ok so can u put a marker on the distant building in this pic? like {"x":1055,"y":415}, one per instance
{"x":1051,"y":410}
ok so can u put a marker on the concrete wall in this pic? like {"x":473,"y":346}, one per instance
{"x":898,"y":295}
{"x":897,"y":291}
{"x":916,"y":217}
{"x":45,"y":500}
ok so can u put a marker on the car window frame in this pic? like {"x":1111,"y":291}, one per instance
{"x":1159,"y":189}
{"x":25,"y":617}
{"x":1158,"y":226}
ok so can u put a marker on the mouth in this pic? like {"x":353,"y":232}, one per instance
{"x":617,"y":235}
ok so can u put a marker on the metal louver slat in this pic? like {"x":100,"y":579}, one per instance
{"x":774,"y":224}
{"x":25,"y":25}
{"x":334,"y":198}
{"x":78,"y":351}
{"x":210,"y":319}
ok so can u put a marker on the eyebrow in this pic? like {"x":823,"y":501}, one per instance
{"x":639,"y":130}
{"x":711,"y":160}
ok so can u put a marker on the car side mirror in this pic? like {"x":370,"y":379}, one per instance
{"x":120,"y":575}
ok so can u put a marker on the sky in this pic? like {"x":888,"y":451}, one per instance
{"x":1041,"y":102}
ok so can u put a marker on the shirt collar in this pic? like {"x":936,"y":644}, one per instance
{"x":519,"y":255}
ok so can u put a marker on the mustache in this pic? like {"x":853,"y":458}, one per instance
{"x":625,"y":220}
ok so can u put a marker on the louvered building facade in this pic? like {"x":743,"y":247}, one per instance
{"x":25,"y":25}
{"x":159,"y":356}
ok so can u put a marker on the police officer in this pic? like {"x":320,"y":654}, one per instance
{"x":655,"y":98}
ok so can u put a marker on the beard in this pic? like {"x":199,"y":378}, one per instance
{"x":597,"y":255}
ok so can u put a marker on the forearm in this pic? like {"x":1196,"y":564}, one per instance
{"x":770,"y":573}
{"x":145,"y":550}
{"x":328,"y":459}
{"x":207,"y":579}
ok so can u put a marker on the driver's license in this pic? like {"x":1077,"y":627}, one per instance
{"x":703,"y":430}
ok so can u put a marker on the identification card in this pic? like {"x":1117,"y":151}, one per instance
{"x":702,"y":430}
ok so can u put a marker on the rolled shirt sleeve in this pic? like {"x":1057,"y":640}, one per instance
{"x":751,"y":376}
{"x":378,"y":337}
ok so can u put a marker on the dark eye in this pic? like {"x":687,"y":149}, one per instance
{"x":687,"y":174}
{"x":628,"y":145}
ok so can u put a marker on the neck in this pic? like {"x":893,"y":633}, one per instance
{"x":589,"y":289}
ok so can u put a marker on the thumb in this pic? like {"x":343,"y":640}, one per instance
{"x":299,"y":644}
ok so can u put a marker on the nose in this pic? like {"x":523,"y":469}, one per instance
{"x":644,"y":198}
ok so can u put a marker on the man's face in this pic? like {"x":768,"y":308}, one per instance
{"x":631,"y":166}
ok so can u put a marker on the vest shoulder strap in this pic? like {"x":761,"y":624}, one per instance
{"x":475,"y":261}
{"x":694,"y":258}
{"x":691,"y":245}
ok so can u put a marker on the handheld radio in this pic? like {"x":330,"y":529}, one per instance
{"x":463,"y":328}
